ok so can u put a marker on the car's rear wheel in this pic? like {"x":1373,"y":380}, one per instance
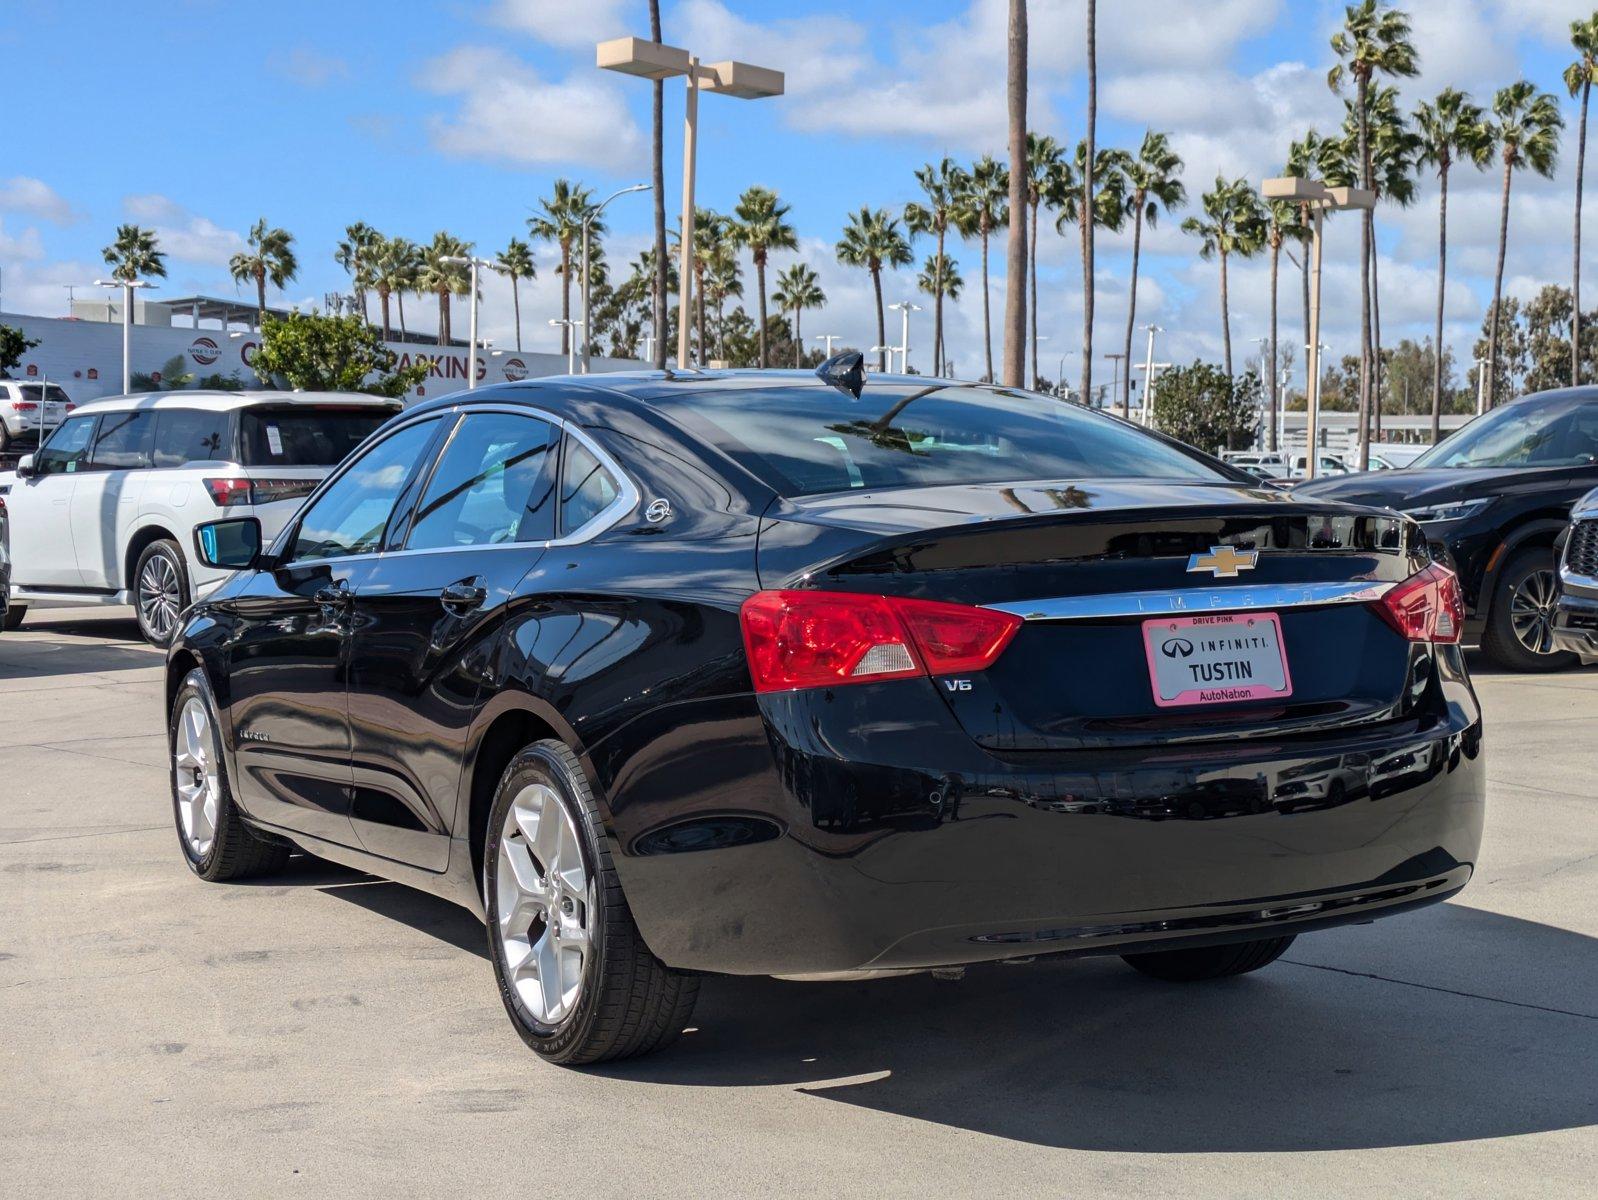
{"x":1520,"y":626}
{"x":1209,"y":962}
{"x":160,"y":591}
{"x":216,"y":842}
{"x":576,"y":978}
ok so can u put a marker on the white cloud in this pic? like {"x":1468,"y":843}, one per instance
{"x":563,"y":23}
{"x":26,"y":245}
{"x":308,"y":67}
{"x":35,"y":198}
{"x":184,"y":235}
{"x":508,"y":113}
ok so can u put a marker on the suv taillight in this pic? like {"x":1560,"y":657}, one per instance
{"x":229,"y":492}
{"x":1427,"y":607}
{"x":24,"y":406}
{"x":801,"y":639}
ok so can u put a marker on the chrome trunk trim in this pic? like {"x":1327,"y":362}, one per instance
{"x":1195,"y":600}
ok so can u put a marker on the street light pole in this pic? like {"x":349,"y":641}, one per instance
{"x":1115,"y":375}
{"x":588,"y":220}
{"x":828,"y":339}
{"x":905,"y":308}
{"x":571,"y":328}
{"x":127,"y":286}
{"x":472,"y":261}
{"x":1148,"y":377}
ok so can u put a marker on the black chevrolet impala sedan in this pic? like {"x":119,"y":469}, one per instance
{"x":825,"y":676}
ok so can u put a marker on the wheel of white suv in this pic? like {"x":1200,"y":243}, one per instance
{"x":160,"y":591}
{"x":1209,"y":962}
{"x":215,"y":841}
{"x":576,"y":978}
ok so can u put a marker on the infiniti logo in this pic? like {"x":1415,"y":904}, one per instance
{"x":1177,"y":648}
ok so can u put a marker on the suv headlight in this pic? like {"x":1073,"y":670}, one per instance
{"x":1457,"y":510}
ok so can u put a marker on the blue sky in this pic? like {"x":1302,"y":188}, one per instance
{"x":420,"y":116}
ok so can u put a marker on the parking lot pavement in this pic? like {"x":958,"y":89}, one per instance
{"x":324,"y":1030}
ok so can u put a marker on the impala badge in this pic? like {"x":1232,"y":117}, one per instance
{"x":1224,"y":562}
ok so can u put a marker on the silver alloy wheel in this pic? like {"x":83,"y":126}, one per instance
{"x":1532,"y":607}
{"x":194,"y":762}
{"x":160,"y":595}
{"x":545,"y":901}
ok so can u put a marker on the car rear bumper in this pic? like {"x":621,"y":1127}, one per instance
{"x":815,"y":841}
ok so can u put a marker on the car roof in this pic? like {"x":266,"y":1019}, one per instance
{"x":226,"y":401}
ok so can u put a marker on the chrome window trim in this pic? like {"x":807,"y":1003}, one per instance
{"x":1194,"y":600}
{"x":627,"y":497}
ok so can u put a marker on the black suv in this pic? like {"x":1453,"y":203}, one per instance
{"x":1494,"y":499}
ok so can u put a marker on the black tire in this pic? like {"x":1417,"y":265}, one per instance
{"x":13,"y":617}
{"x":1499,"y":640}
{"x":1209,"y":962}
{"x":630,"y":1003}
{"x":235,"y":851}
{"x":150,"y":626}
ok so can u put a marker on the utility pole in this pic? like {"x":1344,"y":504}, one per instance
{"x":1115,"y":375}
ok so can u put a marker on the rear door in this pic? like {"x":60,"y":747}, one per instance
{"x":424,"y":621}
{"x":43,"y":553}
{"x":106,"y":499}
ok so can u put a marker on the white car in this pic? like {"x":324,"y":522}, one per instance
{"x":1394,"y":456}
{"x":105,"y":512}
{"x":1326,"y":464}
{"x":28,"y":409}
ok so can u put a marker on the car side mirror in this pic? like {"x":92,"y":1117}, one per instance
{"x":231,"y":545}
{"x":25,"y":468}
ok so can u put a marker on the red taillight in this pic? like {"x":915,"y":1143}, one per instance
{"x":24,"y":406}
{"x":1427,"y":607}
{"x":228,"y":492}
{"x":826,"y":639}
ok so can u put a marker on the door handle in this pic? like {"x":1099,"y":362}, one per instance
{"x":334,"y":595}
{"x":463,"y":597}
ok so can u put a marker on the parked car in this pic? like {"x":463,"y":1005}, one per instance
{"x":1327,"y":464}
{"x":104,"y":513}
{"x":1394,"y":456}
{"x":1576,"y":615}
{"x":27,"y":409}
{"x":810,"y":675}
{"x":1265,"y":464}
{"x":1493,"y":497}
{"x":5,"y":571}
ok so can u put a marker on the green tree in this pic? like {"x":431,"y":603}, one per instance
{"x":355,"y":254}
{"x":1154,"y":181}
{"x":174,"y":374}
{"x":710,"y":236}
{"x":760,"y":222}
{"x":1043,"y":159}
{"x":943,"y":185}
{"x":1108,"y":172}
{"x":872,"y":240}
{"x":270,"y":257}
{"x":515,"y":262}
{"x":560,"y":220}
{"x":798,"y":288}
{"x":316,"y":353}
{"x":13,"y":345}
{"x":723,"y":278}
{"x":1233,"y":223}
{"x":444,"y":278}
{"x":135,"y":253}
{"x":1206,"y":407}
{"x":1525,"y":133}
{"x":940,"y":278}
{"x":1579,"y":77}
{"x":980,"y":208}
{"x":394,"y":272}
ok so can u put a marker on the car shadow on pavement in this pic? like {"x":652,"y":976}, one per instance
{"x":116,"y":646}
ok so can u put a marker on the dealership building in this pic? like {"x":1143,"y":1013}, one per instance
{"x":205,"y":336}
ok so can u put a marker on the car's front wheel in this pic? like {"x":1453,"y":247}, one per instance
{"x":160,"y":591}
{"x":1209,"y":962}
{"x":576,"y":978}
{"x":1520,"y":626}
{"x":13,"y":617}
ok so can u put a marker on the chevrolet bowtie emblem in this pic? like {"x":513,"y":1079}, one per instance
{"x":1224,"y":561}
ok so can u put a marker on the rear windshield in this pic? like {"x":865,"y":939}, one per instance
{"x":42,"y":391}
{"x":807,"y":440}
{"x":300,"y":437}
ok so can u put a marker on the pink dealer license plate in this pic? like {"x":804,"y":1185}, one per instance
{"x":1217,"y":659}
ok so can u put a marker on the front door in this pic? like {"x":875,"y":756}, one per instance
{"x":40,"y":509}
{"x":424,"y":622}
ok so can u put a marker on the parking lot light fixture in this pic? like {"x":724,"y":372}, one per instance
{"x":589,"y":218}
{"x":742,"y":81}
{"x":127,"y":286}
{"x":905,"y":308}
{"x":826,"y":339}
{"x":571,"y":342}
{"x":472,"y":261}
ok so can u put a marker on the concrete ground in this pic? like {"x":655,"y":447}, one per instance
{"x":326,"y":1032}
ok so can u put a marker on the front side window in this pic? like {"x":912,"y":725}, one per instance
{"x":586,"y":488}
{"x":125,"y":441}
{"x":493,"y":484}
{"x":190,"y":435}
{"x":351,"y":515}
{"x":68,"y":448}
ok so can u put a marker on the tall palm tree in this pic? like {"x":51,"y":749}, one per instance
{"x":1016,"y":256}
{"x":980,"y":208}
{"x":133,"y":253}
{"x":940,"y":277}
{"x":354,"y":254}
{"x":1284,"y":220}
{"x":1525,"y":133}
{"x":943,"y":185}
{"x":407,"y":267}
{"x":658,"y":175}
{"x":1043,"y":159}
{"x":1451,"y":127}
{"x":872,"y":239}
{"x":1304,"y":162}
{"x":1233,"y":223}
{"x":1374,"y":40}
{"x":444,"y":279}
{"x":798,"y":288}
{"x":1154,"y":180}
{"x":710,"y":231}
{"x":723,"y":278}
{"x":515,"y":262}
{"x":270,"y":256}
{"x":1579,"y":78}
{"x":760,"y":222}
{"x":560,"y":220}
{"x":1088,"y":200}
{"x":1108,"y":171}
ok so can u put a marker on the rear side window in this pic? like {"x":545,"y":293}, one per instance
{"x":304,"y":437}
{"x":190,"y":435}
{"x":586,"y":488}
{"x":493,"y":484}
{"x":68,"y":448}
{"x":125,"y":441}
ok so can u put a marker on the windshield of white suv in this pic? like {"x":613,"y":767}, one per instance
{"x":1561,"y":432}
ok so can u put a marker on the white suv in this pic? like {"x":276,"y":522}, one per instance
{"x":28,"y":409}
{"x":104,"y":513}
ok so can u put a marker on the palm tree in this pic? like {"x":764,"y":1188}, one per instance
{"x":271,"y":256}
{"x":1016,"y":253}
{"x":442,"y":278}
{"x":940,"y":277}
{"x":1108,"y":171}
{"x":658,"y":175}
{"x":710,"y":231}
{"x":1304,"y":162}
{"x":981,"y":208}
{"x":515,"y":261}
{"x":561,"y":222}
{"x":1233,"y":223}
{"x":1579,"y":77}
{"x":1374,"y":40}
{"x":1284,"y":220}
{"x":873,"y":240}
{"x":134,"y":252}
{"x":393,"y":274}
{"x":1450,"y":126}
{"x":354,"y":254}
{"x":723,"y":278}
{"x":760,"y":222}
{"x":1089,"y":193}
{"x":1525,"y":133}
{"x":1154,"y":178}
{"x":1043,"y":159}
{"x":798,"y":289}
{"x":943,"y":185}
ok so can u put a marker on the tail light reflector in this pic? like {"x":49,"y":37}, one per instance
{"x":1426,"y":607}
{"x":803,"y":639}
